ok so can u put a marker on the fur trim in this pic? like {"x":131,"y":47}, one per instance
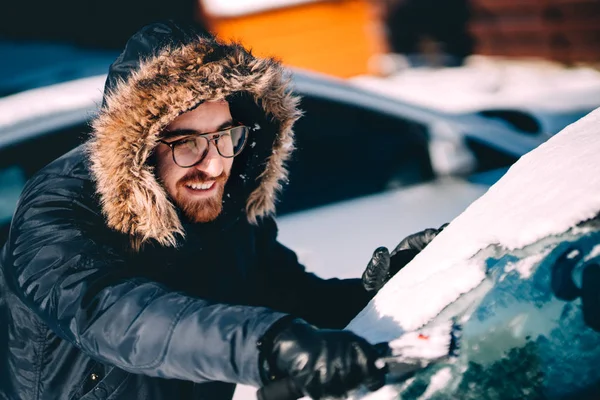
{"x":165,"y":86}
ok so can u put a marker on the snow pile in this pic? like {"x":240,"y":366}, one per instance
{"x":484,"y":84}
{"x":431,"y":343}
{"x":546,"y":192}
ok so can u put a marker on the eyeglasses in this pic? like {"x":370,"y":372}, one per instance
{"x":192,"y":149}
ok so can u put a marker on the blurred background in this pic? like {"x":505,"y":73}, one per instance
{"x":344,"y":38}
{"x":413,"y":108}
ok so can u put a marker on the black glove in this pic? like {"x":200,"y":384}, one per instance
{"x":320,"y":362}
{"x":384,"y":265}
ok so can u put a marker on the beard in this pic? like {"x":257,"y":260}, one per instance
{"x":201,"y":210}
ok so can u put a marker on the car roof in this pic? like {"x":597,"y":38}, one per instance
{"x":27,"y":114}
{"x":49,"y":85}
{"x":22,"y":115}
{"x":32,"y":112}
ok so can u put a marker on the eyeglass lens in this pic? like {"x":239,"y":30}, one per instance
{"x":229,"y":144}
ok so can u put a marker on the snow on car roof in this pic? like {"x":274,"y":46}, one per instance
{"x":233,"y":8}
{"x":22,"y":114}
{"x":488,"y":83}
{"x":548,"y":191}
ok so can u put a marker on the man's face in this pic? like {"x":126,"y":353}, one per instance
{"x":198,"y":190}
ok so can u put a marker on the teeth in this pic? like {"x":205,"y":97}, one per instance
{"x":201,"y":186}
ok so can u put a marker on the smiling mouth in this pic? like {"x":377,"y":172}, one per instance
{"x":200,"y":186}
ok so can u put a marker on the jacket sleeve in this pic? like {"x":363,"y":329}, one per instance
{"x":287,"y":287}
{"x":81,"y":288}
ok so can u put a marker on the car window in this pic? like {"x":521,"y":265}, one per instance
{"x":345,"y":151}
{"x":19,"y":162}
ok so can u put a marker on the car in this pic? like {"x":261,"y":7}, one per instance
{"x":350,"y":143}
{"x":526,"y":334}
{"x":512,"y":283}
{"x":504,"y":302}
{"x":534,"y":97}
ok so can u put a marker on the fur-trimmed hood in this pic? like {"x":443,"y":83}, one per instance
{"x":164,"y":71}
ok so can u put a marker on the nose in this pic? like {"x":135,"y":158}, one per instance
{"x":212,"y":164}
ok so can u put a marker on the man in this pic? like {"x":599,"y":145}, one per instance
{"x":145,"y":265}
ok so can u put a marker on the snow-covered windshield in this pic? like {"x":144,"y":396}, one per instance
{"x":500,"y":268}
{"x":525,"y":330}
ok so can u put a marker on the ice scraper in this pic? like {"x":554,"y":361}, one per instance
{"x":400,"y":358}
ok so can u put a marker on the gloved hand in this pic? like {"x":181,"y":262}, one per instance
{"x":321,"y":362}
{"x":384,"y":265}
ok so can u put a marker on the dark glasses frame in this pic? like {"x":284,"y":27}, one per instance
{"x":218,"y":135}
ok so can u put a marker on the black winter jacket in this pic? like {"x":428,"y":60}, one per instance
{"x":89,"y":320}
{"x":109,"y":293}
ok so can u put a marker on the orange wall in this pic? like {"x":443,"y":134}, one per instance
{"x":334,"y":37}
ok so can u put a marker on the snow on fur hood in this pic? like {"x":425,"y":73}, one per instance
{"x":165,"y":70}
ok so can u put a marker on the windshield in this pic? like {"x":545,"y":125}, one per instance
{"x":523,"y":326}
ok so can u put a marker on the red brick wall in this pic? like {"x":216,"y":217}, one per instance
{"x":567,"y":31}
